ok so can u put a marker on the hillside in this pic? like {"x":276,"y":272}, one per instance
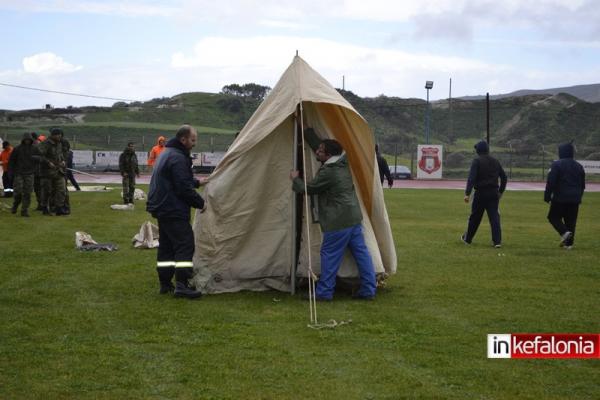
{"x":589,"y":93}
{"x":524,"y":121}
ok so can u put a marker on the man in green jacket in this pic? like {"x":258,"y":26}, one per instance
{"x":339,"y":216}
{"x":128,"y":165}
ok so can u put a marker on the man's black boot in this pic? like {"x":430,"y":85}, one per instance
{"x":166,"y":287}
{"x":182,"y":287}
{"x":165,"y":275}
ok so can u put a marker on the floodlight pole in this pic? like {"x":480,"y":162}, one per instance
{"x":428,"y":85}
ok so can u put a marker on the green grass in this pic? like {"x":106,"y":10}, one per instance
{"x":92,"y":325}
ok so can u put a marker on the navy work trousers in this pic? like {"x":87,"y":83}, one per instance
{"x":485,"y":201}
{"x":563,"y":217}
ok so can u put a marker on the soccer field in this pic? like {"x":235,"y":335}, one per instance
{"x":93,"y":326}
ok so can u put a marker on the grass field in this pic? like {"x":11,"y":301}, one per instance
{"x":92,"y":325}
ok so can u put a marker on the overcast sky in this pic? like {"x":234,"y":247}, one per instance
{"x":143,"y":49}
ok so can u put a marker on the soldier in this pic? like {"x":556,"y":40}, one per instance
{"x":37,"y":186}
{"x":23,"y":162}
{"x":66,"y":150}
{"x":128,"y":166}
{"x":52,"y":165}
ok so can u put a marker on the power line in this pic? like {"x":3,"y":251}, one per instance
{"x":67,"y":93}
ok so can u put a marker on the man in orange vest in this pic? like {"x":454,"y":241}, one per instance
{"x":156,"y":150}
{"x":6,"y":175}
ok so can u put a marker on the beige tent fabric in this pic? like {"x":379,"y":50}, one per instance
{"x":245,"y":238}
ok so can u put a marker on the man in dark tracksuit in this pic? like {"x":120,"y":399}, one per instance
{"x":128,"y":166}
{"x":172,"y":193}
{"x":483,"y":176}
{"x":564,"y":190}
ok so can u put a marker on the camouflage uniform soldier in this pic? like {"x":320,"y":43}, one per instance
{"x":23,"y":162}
{"x":53,"y":184}
{"x":128,"y":165}
{"x":66,"y":149}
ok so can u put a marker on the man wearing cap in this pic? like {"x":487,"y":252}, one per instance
{"x":128,"y":166}
{"x":483,"y":177}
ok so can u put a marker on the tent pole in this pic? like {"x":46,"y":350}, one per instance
{"x":293,"y":264}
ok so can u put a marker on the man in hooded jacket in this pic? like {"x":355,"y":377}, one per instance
{"x":483,"y":176}
{"x":156,"y":150}
{"x":171,"y":194}
{"x":564,"y":189}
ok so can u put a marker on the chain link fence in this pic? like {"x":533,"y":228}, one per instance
{"x":521,"y":163}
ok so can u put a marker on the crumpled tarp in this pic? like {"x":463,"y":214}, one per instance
{"x":92,"y":188}
{"x":123,"y":207}
{"x":84,"y":242}
{"x":147,"y":238}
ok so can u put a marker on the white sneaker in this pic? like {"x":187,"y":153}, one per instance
{"x":568,"y":247}
{"x":497,"y":246}
{"x":565,"y":237}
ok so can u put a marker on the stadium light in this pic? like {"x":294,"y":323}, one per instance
{"x":428,"y":85}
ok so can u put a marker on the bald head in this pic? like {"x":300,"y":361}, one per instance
{"x":187,"y":135}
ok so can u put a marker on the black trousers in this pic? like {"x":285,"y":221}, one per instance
{"x":563,"y":217}
{"x":175,"y":249}
{"x":485,"y":201}
{"x":7,"y":182}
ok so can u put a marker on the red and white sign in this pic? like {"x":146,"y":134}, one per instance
{"x":429,"y":161}
{"x":543,"y":345}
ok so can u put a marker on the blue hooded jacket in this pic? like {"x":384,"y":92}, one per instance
{"x":485,"y":172}
{"x":566,"y":179}
{"x":172,"y":187}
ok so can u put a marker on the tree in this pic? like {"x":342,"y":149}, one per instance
{"x":250,"y":90}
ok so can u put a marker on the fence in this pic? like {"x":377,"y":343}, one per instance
{"x":519,"y":163}
{"x":530,"y":163}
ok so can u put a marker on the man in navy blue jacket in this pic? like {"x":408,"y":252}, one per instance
{"x":564,"y":190}
{"x":172,"y":193}
{"x":483,"y":176}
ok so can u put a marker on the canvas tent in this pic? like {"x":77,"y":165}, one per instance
{"x":252,"y":235}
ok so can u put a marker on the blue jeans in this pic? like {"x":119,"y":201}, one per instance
{"x":332,"y":251}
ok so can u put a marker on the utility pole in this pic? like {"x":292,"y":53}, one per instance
{"x":487,"y":107}
{"x":451,"y":135}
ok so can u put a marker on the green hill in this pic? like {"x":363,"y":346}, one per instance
{"x":524,"y":123}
